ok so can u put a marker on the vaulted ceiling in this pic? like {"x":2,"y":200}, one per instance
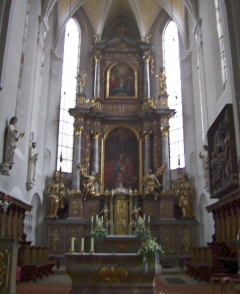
{"x":141,"y":12}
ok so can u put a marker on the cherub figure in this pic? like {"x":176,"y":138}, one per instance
{"x":151,"y":183}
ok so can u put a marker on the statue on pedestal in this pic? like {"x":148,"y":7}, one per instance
{"x":56,"y":193}
{"x":183,"y":190}
{"x":33,"y":157}
{"x":10,"y":146}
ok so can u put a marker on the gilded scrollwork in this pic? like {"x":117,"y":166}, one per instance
{"x":186,"y":240}
{"x":79,"y":119}
{"x":54,"y":240}
{"x":113,"y":275}
{"x":111,"y":108}
{"x":164,"y":120}
{"x":122,"y":55}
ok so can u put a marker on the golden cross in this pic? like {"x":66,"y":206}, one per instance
{"x":122,"y":28}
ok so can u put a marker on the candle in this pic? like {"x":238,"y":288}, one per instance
{"x":96,"y":217}
{"x":72,"y":243}
{"x":149,"y":218}
{"x":144,"y":217}
{"x":92,"y":245}
{"x":92,"y":219}
{"x":82,"y":244}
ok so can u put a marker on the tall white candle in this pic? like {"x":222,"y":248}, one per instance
{"x":92,"y":219}
{"x":149,"y":218}
{"x":144,"y":217}
{"x":96,"y":217}
{"x":92,"y":244}
{"x":82,"y":244}
{"x":72,"y":243}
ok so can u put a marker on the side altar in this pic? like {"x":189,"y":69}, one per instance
{"x":121,"y":165}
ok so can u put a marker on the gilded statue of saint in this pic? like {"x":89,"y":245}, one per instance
{"x":151,"y":183}
{"x":162,"y":86}
{"x":56,"y":193}
{"x":90,"y":183}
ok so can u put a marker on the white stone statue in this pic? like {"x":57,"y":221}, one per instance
{"x":12,"y":138}
{"x":205,"y":166}
{"x":33,"y":157}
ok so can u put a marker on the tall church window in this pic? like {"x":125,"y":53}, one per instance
{"x":221,"y":43}
{"x":172,"y":68}
{"x":68,"y":96}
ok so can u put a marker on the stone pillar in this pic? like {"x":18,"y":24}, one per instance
{"x":146,"y":89}
{"x":147,"y":135}
{"x":97,"y":85}
{"x":76,"y":157}
{"x":166,"y":178}
{"x":95,"y":155}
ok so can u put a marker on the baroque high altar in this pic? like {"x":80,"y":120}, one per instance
{"x":120,"y":138}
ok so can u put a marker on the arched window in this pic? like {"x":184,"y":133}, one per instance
{"x":172,"y":68}
{"x":68,"y":96}
{"x":221,"y":43}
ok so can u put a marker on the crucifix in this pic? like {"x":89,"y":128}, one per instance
{"x":122,"y":28}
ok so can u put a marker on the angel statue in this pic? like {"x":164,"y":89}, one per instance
{"x":151,"y":183}
{"x":90,"y":183}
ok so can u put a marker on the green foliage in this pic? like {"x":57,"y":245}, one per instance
{"x":141,"y":230}
{"x":99,"y":231}
{"x":149,"y":246}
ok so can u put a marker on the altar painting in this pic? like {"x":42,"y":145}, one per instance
{"x":121,"y":81}
{"x":121,"y":159}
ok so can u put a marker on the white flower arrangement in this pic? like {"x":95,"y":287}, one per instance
{"x":151,"y":247}
{"x":99,"y":231}
{"x":141,"y":230}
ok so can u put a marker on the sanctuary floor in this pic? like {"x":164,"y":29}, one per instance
{"x":170,"y":281}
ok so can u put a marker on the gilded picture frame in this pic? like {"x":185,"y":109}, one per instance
{"x":122,"y":80}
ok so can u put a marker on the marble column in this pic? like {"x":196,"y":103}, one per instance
{"x":76,"y":157}
{"x":95,"y":155}
{"x":97,"y":80}
{"x":147,"y":135}
{"x":166,"y":178}
{"x":146,"y":89}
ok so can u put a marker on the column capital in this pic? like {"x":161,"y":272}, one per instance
{"x":97,"y":58}
{"x":95,"y":134}
{"x":78,"y":131}
{"x":165,"y":131}
{"x":147,"y":134}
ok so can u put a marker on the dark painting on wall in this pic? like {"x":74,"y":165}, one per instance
{"x":121,"y":159}
{"x":121,"y":81}
{"x":223,"y":167}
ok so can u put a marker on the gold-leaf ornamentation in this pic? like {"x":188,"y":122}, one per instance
{"x":113,"y":275}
